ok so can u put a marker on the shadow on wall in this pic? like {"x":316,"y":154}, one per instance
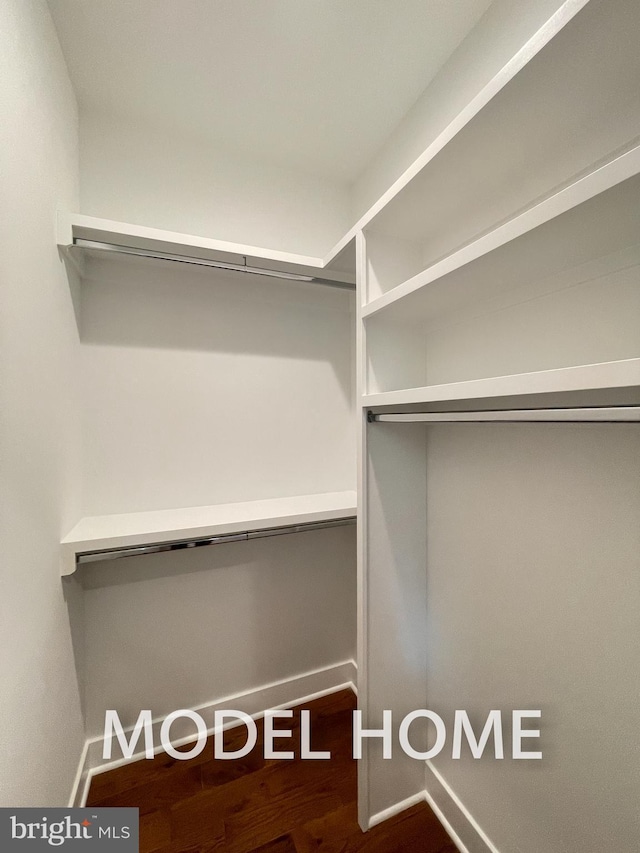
{"x":147,"y":303}
{"x":74,"y":601}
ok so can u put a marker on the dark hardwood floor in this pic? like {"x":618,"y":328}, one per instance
{"x":253,"y":805}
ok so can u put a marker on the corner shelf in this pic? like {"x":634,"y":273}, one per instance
{"x":111,"y":532}
{"x":611,"y":376}
{"x":72,"y":227}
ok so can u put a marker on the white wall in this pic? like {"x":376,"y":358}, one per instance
{"x":504,"y":28}
{"x":179,"y":630}
{"x":41,"y":730}
{"x":533,"y":584}
{"x":148,"y":176}
{"x":203,"y":387}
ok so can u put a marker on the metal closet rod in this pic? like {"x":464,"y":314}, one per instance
{"x":603,"y":414}
{"x":181,"y":544}
{"x":205,"y":262}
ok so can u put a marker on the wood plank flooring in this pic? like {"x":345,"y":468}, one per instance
{"x":258,"y":805}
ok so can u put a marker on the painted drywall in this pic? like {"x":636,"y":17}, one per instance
{"x":148,"y":176}
{"x":504,"y":28}
{"x":533,"y":582}
{"x":203,"y":387}
{"x":171,"y":631}
{"x":41,"y":722}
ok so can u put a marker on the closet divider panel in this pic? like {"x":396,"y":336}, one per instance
{"x":394,"y":663}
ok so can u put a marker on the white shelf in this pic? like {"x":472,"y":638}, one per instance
{"x":605,"y":230}
{"x":585,"y":377}
{"x":580,"y":111}
{"x":76,"y":226}
{"x":109,"y":532}
{"x":494,"y":86}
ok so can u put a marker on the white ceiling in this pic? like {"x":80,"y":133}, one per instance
{"x":315,"y":84}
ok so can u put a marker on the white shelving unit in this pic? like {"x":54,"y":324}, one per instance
{"x":138,"y":529}
{"x":502,"y":272}
{"x":522,"y":310}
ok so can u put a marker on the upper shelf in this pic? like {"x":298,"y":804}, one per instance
{"x":131,"y":530}
{"x":76,"y":229}
{"x":572,"y":105}
{"x":526,"y":52}
{"x":593,"y":218}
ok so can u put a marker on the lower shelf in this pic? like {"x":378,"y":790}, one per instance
{"x":619,"y":379}
{"x":107,"y":533}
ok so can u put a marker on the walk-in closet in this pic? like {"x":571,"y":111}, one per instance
{"x":323,"y":375}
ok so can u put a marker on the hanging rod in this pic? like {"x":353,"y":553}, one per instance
{"x":181,"y":544}
{"x":611,"y":414}
{"x":205,"y":262}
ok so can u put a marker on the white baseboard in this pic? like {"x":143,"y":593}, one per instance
{"x":392,"y":811}
{"x":450,"y":811}
{"x":280,"y":694}
{"x":465,"y":831}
